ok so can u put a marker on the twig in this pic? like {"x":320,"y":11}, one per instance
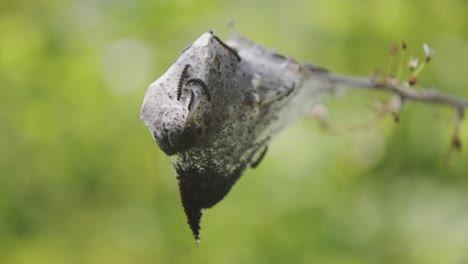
{"x":404,"y":92}
{"x":429,"y":95}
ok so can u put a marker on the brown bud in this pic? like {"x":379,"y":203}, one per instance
{"x":403,"y":45}
{"x":412,"y":80}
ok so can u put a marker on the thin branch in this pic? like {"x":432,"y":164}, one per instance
{"x":404,"y":92}
{"x":429,"y":95}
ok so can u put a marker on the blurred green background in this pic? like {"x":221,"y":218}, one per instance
{"x":81,"y":180}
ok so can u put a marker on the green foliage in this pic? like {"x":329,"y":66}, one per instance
{"x":81,"y":181}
